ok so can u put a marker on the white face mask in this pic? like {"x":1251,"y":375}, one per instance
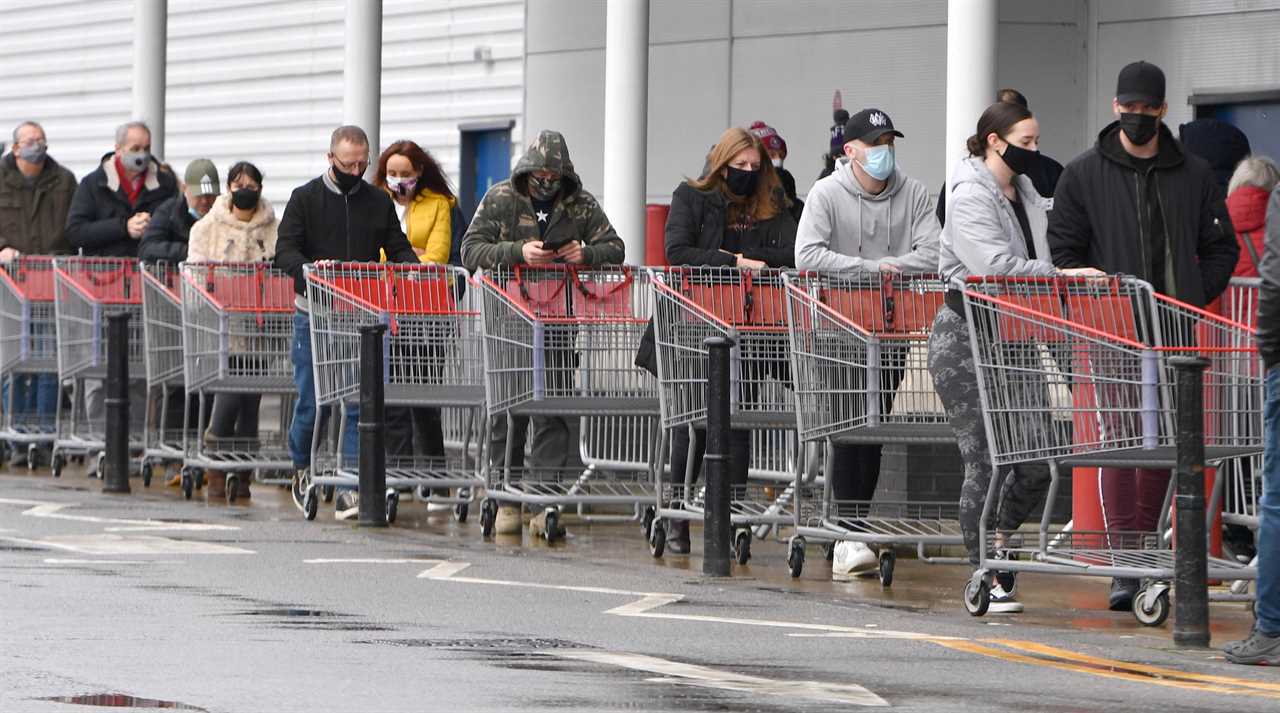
{"x":777,"y":163}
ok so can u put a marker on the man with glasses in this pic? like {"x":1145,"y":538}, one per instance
{"x":336,"y":216}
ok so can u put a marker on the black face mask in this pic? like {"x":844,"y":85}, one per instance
{"x":245,"y":198}
{"x":741,"y":183}
{"x":1018,"y":159}
{"x":1140,"y":128}
{"x":346,"y":182}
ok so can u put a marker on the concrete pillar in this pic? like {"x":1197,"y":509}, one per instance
{"x":362,"y":72}
{"x":972,"y":33}
{"x":150,"y":38}
{"x":626,"y":120}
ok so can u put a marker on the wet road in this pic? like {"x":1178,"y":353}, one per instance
{"x":161,"y":602}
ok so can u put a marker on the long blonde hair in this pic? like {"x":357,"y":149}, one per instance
{"x":763,"y":204}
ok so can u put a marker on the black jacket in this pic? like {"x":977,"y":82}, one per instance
{"x":321,"y":224}
{"x":696,"y":225}
{"x":1269,"y":300}
{"x":100,"y":211}
{"x":1099,"y":217}
{"x":166,"y":237}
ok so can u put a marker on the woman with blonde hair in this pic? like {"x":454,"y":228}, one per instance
{"x":1247,"y":193}
{"x":734,"y":215}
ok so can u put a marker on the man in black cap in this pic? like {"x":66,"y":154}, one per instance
{"x":1138,"y":204}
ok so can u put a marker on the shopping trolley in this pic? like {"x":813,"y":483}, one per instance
{"x":859,"y":365}
{"x":86,"y":291}
{"x":28,"y":352}
{"x":162,"y":334}
{"x":431,"y":358}
{"x":1077,"y":372}
{"x":1241,"y":479}
{"x":691,"y":305}
{"x":560,"y":341}
{"x":237,"y":328}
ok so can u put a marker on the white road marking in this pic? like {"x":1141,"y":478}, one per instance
{"x":112,"y":544}
{"x":365,"y":560}
{"x":691,"y":675}
{"x":443,"y":570}
{"x":54,"y":511}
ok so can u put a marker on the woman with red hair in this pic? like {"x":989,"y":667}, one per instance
{"x":422,"y":196}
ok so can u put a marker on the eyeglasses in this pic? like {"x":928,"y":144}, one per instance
{"x":354,"y":168}
{"x":29,"y":143}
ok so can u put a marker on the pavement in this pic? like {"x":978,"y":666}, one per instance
{"x":147,"y":600}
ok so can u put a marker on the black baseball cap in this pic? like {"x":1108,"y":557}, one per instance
{"x":1140,"y":81}
{"x":869,"y":125}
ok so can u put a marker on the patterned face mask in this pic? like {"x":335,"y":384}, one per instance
{"x":544,"y":189}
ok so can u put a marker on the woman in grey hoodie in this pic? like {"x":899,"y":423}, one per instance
{"x":996,"y":225}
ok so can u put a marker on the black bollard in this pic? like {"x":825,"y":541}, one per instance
{"x":115,"y":466}
{"x":1191,"y":564}
{"x":371,"y":425}
{"x":717,"y":529}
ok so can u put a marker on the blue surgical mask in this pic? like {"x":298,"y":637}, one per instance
{"x":879,"y":162}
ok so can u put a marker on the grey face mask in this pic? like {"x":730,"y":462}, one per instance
{"x":135,"y":160}
{"x":33,"y":153}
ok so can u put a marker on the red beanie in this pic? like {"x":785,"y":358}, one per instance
{"x":768,"y":136}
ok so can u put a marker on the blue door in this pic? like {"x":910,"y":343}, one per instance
{"x":1260,"y":121}
{"x":486,"y":160}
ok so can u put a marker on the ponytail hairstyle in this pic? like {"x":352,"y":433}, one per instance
{"x":998,"y":119}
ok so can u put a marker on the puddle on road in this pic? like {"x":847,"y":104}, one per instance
{"x":509,"y":644}
{"x":294,"y":618}
{"x":119,"y":700}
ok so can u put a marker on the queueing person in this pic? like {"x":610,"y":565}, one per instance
{"x":1263,"y":644}
{"x":1248,"y":192}
{"x":336,"y":216}
{"x":540,"y":216}
{"x":733,"y":216}
{"x":35,"y":194}
{"x":240,"y":226}
{"x":996,"y":225}
{"x":777,"y":148}
{"x":425,"y":204}
{"x":867,"y":215}
{"x":169,"y":230}
{"x":1138,"y":204}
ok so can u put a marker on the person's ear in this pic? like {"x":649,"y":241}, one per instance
{"x":1115,"y":108}
{"x":851,"y":150}
{"x":1164,"y":111}
{"x":993,"y":141}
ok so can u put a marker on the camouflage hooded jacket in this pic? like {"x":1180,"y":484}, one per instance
{"x":505,"y":218}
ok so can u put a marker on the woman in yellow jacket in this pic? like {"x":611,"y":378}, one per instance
{"x":423,"y":201}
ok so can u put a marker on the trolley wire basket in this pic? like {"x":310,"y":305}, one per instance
{"x":28,"y":353}
{"x":162,"y":335}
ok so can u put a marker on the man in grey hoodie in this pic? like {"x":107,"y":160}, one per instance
{"x":867,"y":216}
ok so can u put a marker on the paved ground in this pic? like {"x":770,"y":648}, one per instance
{"x":217,"y":608}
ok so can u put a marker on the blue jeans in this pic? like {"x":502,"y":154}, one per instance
{"x":304,"y":409}
{"x":1268,"y":607}
{"x":34,"y":395}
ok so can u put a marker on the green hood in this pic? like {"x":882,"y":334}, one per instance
{"x":549,"y":152}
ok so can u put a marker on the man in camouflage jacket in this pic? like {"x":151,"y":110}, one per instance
{"x":540,"y":216}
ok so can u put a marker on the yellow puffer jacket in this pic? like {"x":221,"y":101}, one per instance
{"x":428,"y":226}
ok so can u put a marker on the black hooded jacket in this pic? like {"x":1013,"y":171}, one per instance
{"x":1103,"y":213}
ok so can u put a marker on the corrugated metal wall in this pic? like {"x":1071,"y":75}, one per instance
{"x":259,"y":80}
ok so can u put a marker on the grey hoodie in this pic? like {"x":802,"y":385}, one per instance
{"x":982,"y":236}
{"x":843,"y":227}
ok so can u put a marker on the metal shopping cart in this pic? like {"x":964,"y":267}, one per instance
{"x":859,"y":356}
{"x":237,"y":326}
{"x":692,"y":304}
{"x":431,"y":358}
{"x":560,"y":341}
{"x":28,"y":354}
{"x":162,"y":334}
{"x":1241,"y":479}
{"x":86,"y":291}
{"x":1076,"y":372}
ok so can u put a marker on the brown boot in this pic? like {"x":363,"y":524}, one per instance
{"x":242,"y":486}
{"x":215,"y":485}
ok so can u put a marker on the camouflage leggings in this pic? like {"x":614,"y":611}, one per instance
{"x":956,"y":381}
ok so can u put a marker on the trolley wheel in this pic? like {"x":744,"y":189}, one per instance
{"x":551,"y":525}
{"x":488,"y":515}
{"x":460,"y":512}
{"x":977,"y":596}
{"x":742,"y":546}
{"x":33,"y":456}
{"x":99,"y":471}
{"x":232,"y":482}
{"x":147,"y":467}
{"x":657,"y":538}
{"x":646,"y":520}
{"x":887,"y":560}
{"x":310,"y":503}
{"x":1151,"y":607}
{"x":57,"y":463}
{"x":188,"y":483}
{"x":326,"y":492}
{"x":393,"y":505}
{"x":795,"y":556}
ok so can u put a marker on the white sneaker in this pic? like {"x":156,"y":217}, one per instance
{"x":1003,"y":602}
{"x":346,"y":506}
{"x":853,"y":559}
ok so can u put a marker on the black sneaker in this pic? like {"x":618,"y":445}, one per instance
{"x":299,"y":487}
{"x":1122,"y":593}
{"x":346,"y":506}
{"x":678,"y":537}
{"x":1257,"y":650}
